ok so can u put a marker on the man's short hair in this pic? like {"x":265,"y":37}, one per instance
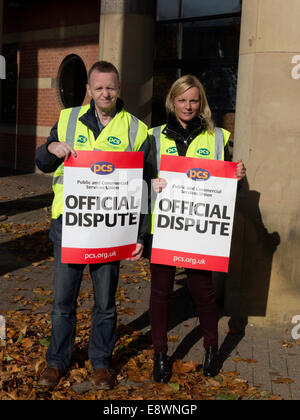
{"x":103,"y":67}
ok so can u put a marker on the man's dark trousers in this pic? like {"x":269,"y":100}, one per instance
{"x":67,"y":281}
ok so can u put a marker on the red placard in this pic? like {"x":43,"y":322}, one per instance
{"x":194,"y":213}
{"x":101,"y":206}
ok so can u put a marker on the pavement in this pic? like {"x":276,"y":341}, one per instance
{"x":267,"y":358}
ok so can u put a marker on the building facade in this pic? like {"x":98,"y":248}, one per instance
{"x":38,"y":43}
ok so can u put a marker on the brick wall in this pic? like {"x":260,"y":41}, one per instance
{"x":45,"y":33}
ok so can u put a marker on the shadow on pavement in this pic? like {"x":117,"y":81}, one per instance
{"x":23,"y":251}
{"x":13,"y":207}
{"x":5,"y":172}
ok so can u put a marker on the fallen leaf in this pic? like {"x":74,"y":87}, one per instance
{"x":39,"y":366}
{"x":225,"y":396}
{"x":32,"y":395}
{"x":276,"y":398}
{"x":174,"y":386}
{"x":283,"y":381}
{"x":58,"y":396}
{"x":24,"y":330}
{"x":17,"y":298}
{"x":172,"y":338}
{"x":20,"y":338}
{"x":15,"y":369}
{"x":184,"y":367}
{"x":212,"y":382}
{"x":135,"y":376}
{"x":240,"y":359}
{"x":45,"y":342}
{"x":27,"y":343}
{"x":129,"y":311}
{"x":36,"y":264}
{"x":13,"y":395}
{"x":11,"y":333}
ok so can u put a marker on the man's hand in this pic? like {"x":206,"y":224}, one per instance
{"x":240,"y":170}
{"x":61,"y":150}
{"x":137,"y":253}
{"x":159,"y":184}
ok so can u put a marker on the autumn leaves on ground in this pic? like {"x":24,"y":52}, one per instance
{"x":28,"y":329}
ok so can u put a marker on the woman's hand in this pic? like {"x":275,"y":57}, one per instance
{"x":137,"y":253}
{"x":240,"y":170}
{"x":159,"y":184}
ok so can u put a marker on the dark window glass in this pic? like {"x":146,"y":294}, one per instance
{"x":210,"y":51}
{"x":206,"y":47}
{"x":72,"y":81}
{"x":176,"y":9}
{"x":9,"y":84}
{"x":169,"y":45}
{"x":168,"y":9}
{"x":196,"y":8}
{"x":167,"y":67}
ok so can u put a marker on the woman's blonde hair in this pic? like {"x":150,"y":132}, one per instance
{"x":180,"y":86}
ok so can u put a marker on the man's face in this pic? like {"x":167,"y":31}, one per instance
{"x":104,"y":89}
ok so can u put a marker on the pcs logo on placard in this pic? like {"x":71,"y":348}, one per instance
{"x":102,"y":168}
{"x":198,"y":174}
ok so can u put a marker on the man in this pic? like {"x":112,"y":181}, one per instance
{"x":90,"y":127}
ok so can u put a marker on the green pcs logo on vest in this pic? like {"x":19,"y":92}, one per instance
{"x":113,"y":141}
{"x":203,"y":152}
{"x":81,"y":139}
{"x":171,"y":150}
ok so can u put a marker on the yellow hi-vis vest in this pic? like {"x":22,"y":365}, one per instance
{"x":205,"y":146}
{"x":124,"y":133}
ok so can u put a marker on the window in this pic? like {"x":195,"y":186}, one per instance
{"x":167,"y":9}
{"x":72,"y":81}
{"x":201,"y":38}
{"x":9,"y":84}
{"x":210,"y":51}
{"x":177,"y":9}
{"x":193,"y":8}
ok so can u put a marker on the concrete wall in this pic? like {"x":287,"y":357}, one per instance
{"x":127,"y":29}
{"x":264,"y":279}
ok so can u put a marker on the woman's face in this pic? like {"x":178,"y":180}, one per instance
{"x":187,"y":105}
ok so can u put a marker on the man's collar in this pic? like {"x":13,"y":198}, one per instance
{"x":119,"y":104}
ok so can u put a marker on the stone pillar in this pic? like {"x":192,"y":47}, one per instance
{"x":264,"y":278}
{"x":127,"y":40}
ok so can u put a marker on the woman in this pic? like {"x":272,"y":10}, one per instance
{"x":189,"y":129}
